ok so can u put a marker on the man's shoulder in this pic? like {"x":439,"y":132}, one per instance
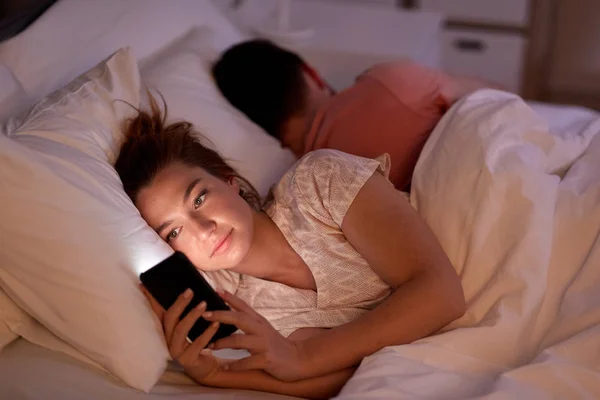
{"x":402,"y":71}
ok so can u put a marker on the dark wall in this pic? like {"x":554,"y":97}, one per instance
{"x":16,"y":15}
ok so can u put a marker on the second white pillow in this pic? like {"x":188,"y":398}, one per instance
{"x":181,"y":73}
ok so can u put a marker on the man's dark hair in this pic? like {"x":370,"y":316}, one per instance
{"x":264,"y":81}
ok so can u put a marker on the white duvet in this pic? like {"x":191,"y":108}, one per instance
{"x":517,"y":209}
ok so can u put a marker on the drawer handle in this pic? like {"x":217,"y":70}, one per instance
{"x":472,"y":45}
{"x":408,"y":4}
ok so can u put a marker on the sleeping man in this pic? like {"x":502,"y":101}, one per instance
{"x":392,"y":108}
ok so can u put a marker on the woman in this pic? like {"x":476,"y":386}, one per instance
{"x":337,"y":262}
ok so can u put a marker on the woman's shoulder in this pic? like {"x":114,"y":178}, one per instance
{"x":327,"y":179}
{"x":328,"y":164}
{"x":304,"y":170}
{"x":322,"y":158}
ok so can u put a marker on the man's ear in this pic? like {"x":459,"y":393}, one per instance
{"x":313,"y":75}
{"x":317,"y":78}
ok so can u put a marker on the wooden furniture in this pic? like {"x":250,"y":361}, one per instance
{"x":502,"y":41}
{"x":572,"y":69}
{"x":349,"y":36}
{"x":509,"y":42}
{"x":545,"y":50}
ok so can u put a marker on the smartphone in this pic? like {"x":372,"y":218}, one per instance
{"x":171,"y":277}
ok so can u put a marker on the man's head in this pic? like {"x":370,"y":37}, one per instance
{"x":274,"y":87}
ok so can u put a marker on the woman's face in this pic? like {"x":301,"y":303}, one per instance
{"x":200,"y":215}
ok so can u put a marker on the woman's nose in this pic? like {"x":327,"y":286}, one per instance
{"x":204,"y":227}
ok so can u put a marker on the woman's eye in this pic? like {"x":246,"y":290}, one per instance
{"x":199,"y":200}
{"x":173,"y":234}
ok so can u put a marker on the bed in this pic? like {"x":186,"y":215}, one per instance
{"x":533,"y":333}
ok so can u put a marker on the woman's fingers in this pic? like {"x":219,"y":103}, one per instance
{"x":193,"y":350}
{"x":239,"y":319}
{"x":171,"y":317}
{"x":156,"y":307}
{"x":256,"y":361}
{"x":179,"y":342}
{"x":253,"y":344}
{"x":238,"y":304}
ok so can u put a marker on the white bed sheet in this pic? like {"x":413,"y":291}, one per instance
{"x":12,"y":95}
{"x":30,"y":372}
{"x":564,"y":119}
{"x":516,"y":206}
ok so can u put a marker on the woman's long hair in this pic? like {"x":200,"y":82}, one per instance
{"x":151,"y":144}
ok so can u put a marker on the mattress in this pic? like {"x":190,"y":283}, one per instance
{"x":32,"y":372}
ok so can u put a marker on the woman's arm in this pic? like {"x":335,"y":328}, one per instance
{"x":207,"y":370}
{"x":322,"y":387}
{"x":399,"y":246}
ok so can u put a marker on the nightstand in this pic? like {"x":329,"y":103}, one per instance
{"x":351,"y":36}
{"x":501,"y":41}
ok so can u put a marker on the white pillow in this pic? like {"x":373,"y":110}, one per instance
{"x":181,"y":73}
{"x":15,"y":322}
{"x":12,"y":100}
{"x":72,"y":241}
{"x":72,"y":36}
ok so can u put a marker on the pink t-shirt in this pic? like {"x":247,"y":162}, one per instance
{"x":392,"y":108}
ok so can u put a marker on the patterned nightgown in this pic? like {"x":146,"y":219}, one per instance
{"x":308,"y":205}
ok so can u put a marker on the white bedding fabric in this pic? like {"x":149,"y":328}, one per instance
{"x":32,"y":372}
{"x":181,"y":74}
{"x":517,"y":208}
{"x":73,"y":35}
{"x":12,"y":95}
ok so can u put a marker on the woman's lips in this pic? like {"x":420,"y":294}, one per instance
{"x":223,"y":245}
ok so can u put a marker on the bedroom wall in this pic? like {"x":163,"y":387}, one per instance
{"x":575,"y":56}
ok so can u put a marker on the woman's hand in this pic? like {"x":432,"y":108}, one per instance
{"x":197,"y":362}
{"x":270,"y":351}
{"x":206,"y":369}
